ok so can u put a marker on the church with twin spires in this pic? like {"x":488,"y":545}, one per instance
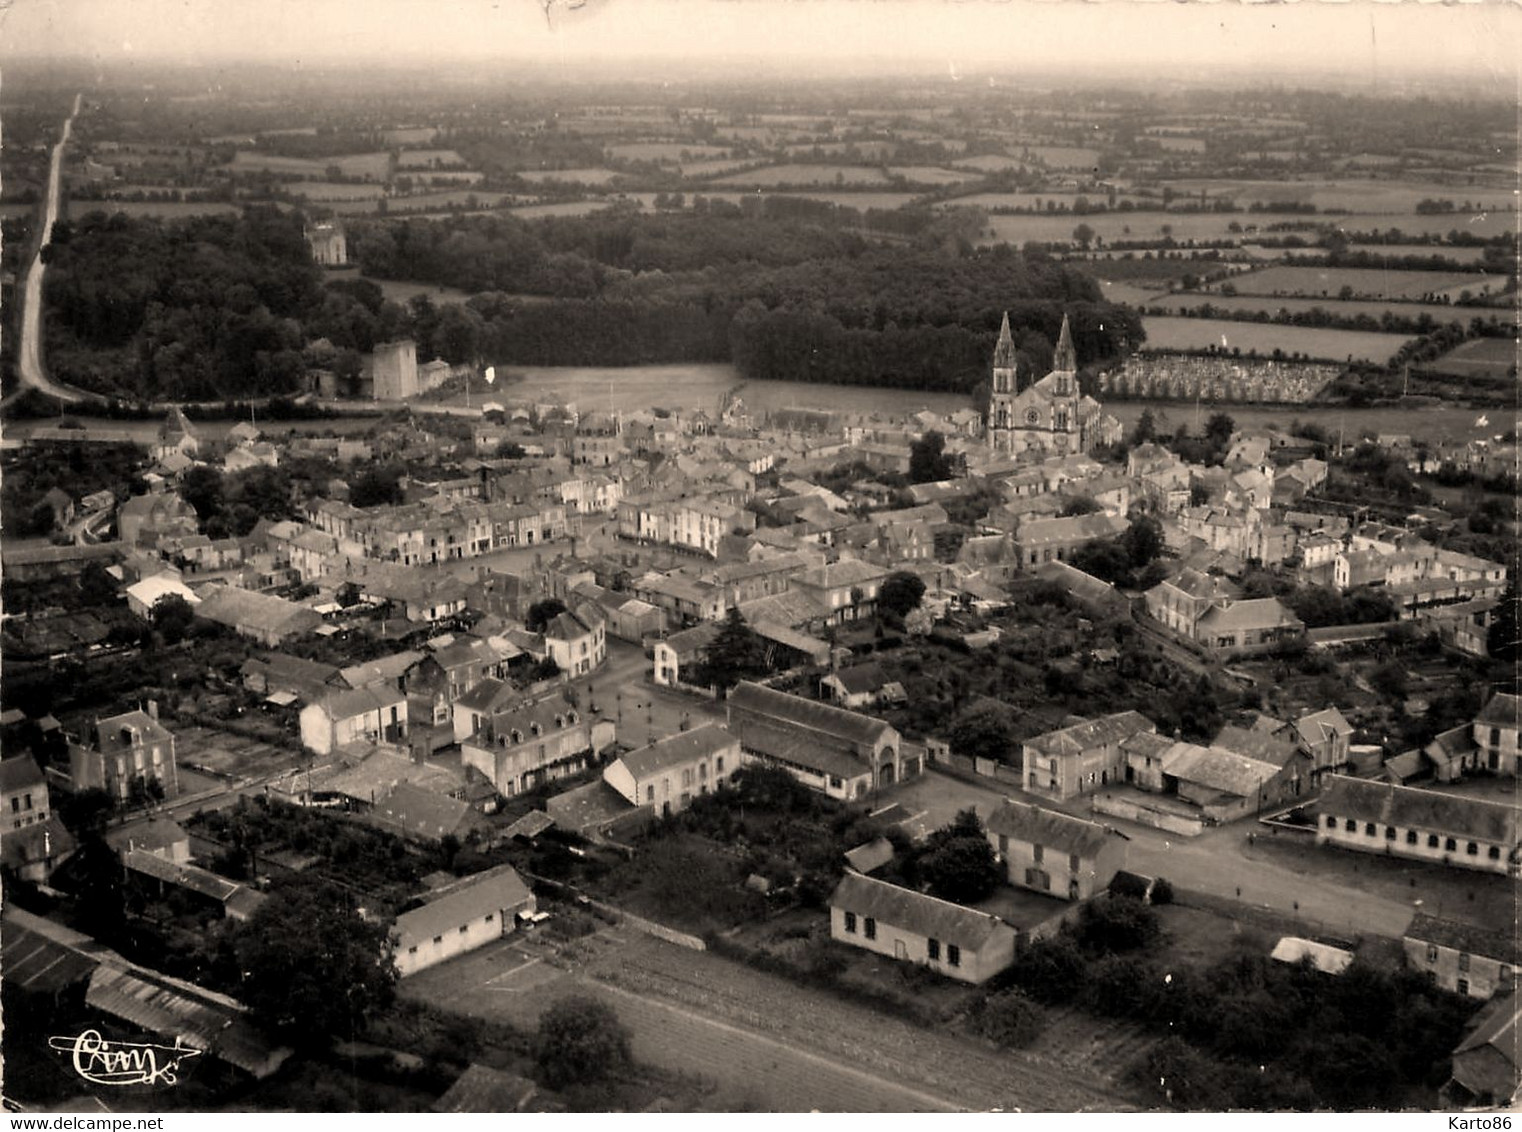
{"x":1049,"y":417}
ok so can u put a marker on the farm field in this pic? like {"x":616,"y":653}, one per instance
{"x":1353,"y":194}
{"x":929,"y":175}
{"x":1480,"y":357}
{"x":410,"y":135}
{"x":374,"y":166}
{"x":568,"y":176}
{"x":1332,"y":345}
{"x":333,"y":190}
{"x":1365,"y":282}
{"x":1063,"y":156}
{"x":1034,"y":202}
{"x":400,"y":290}
{"x":1351,"y":308}
{"x":164,"y":210}
{"x":562,"y":208}
{"x":427,"y":158}
{"x":10,"y":209}
{"x":790,"y":1048}
{"x":666,"y":152}
{"x":713,"y":167}
{"x":1138,"y":225}
{"x":1457,"y":253}
{"x":872,"y":151}
{"x":808,"y":175}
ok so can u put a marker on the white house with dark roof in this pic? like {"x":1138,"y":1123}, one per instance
{"x":1050,"y":852}
{"x":1495,"y":734}
{"x":899,"y":923}
{"x":460,"y":918}
{"x":1081,"y":757}
{"x":1424,"y":825}
{"x":577,"y":639}
{"x":669,"y":774}
{"x":133,"y":747}
{"x":376,"y":713}
{"x":1460,"y":957}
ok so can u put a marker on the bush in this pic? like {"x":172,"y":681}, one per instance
{"x":1009,"y":1018}
{"x":580,"y":1040}
{"x":1117,"y":923}
{"x":1049,"y":970}
{"x":1162,"y":891}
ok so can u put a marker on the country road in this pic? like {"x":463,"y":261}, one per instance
{"x":30,"y":358}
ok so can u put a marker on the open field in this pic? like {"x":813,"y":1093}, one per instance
{"x":410,"y":135}
{"x":1063,"y":156}
{"x":568,"y":176}
{"x":930,"y":175}
{"x":164,"y":210}
{"x":334,"y":190}
{"x":1215,"y":226}
{"x":808,"y":175}
{"x":374,"y":166}
{"x":1481,"y":357}
{"x":667,"y":152}
{"x":1035,"y":201}
{"x":1351,"y":308}
{"x":1332,"y":345}
{"x":1355,"y":195}
{"x":789,"y":1048}
{"x":1457,"y":253}
{"x":427,"y":158}
{"x":16,"y":208}
{"x":1363,"y":282}
{"x":562,"y":208}
{"x":713,"y":167}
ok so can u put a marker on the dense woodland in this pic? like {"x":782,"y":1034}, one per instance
{"x":221,"y":307}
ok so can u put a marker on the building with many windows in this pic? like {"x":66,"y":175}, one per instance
{"x":899,"y":923}
{"x":1424,"y":825}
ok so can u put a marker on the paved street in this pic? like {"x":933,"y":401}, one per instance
{"x":29,"y":360}
{"x":1344,"y":892}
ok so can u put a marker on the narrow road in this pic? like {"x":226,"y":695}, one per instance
{"x":30,"y":358}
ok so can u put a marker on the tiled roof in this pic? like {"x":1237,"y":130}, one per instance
{"x":421,"y":812}
{"x":1217,"y":769}
{"x":678,"y":750}
{"x":1503,"y":710}
{"x":482,"y":1089}
{"x":753,"y":700}
{"x":1501,"y":945}
{"x":20,"y":772}
{"x":893,"y":906}
{"x":498,"y":890}
{"x":1040,"y":826}
{"x":1415,"y":808}
{"x":1080,"y":737}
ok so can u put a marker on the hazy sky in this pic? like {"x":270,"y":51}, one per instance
{"x":1482,"y":41}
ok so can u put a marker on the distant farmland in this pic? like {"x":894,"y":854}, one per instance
{"x":568,"y":176}
{"x":1479,"y":357}
{"x":164,"y":210}
{"x":1349,"y":308}
{"x":1164,"y":334}
{"x":1363,"y":283}
{"x":808,"y":175}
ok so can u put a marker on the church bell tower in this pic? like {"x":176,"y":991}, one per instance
{"x":1002,"y":396}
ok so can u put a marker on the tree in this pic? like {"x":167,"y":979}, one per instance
{"x":1084,"y":235}
{"x":1117,"y":924}
{"x":172,"y":616}
{"x":1143,"y":541}
{"x":1502,"y":638}
{"x":900,"y":593}
{"x":1146,"y":428}
{"x":541,"y":613}
{"x":580,"y":1040}
{"x":985,"y":730}
{"x":1219,"y":429}
{"x":958,"y":862}
{"x":314,"y":966}
{"x":927,"y":459}
{"x":1009,"y":1019}
{"x":736,"y":653}
{"x":1080,"y":505}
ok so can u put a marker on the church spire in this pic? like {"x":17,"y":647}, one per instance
{"x":1065,"y":359}
{"x":1004,"y":352}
